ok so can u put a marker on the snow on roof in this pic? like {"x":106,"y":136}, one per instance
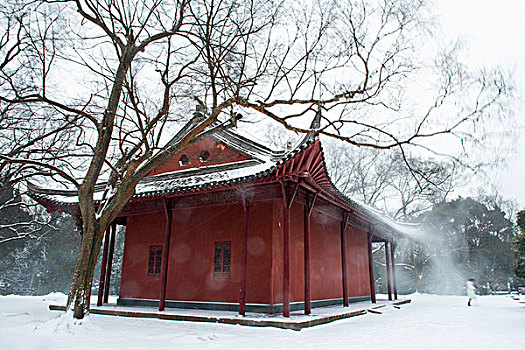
{"x":263,"y":162}
{"x":407,"y":229}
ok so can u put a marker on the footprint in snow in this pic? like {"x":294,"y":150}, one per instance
{"x":208,"y":338}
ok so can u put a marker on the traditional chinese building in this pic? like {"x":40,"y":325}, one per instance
{"x":231,"y":224}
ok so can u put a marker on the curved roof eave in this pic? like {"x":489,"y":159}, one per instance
{"x":278,"y":160}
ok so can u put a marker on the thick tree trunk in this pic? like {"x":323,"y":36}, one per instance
{"x":80,"y":291}
{"x":94,"y":224}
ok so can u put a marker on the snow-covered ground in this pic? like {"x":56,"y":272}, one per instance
{"x":429,"y":322}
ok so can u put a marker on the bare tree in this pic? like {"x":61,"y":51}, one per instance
{"x":399,"y":184}
{"x":428,"y":183}
{"x":27,"y":133}
{"x":361,"y":173}
{"x":383,"y":180}
{"x":121,"y":76}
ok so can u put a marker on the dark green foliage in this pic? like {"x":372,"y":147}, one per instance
{"x":521,"y":220}
{"x":518,"y":247}
{"x":483,"y":243}
{"x":462,"y":238}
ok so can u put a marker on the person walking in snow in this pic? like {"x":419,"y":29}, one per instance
{"x":471,"y":290}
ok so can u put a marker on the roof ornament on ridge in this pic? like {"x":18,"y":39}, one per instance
{"x":315,"y":126}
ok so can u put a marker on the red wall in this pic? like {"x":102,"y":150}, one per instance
{"x":219,"y":154}
{"x":190,"y":271}
{"x":357,"y":262}
{"x":325,"y":255}
{"x":141,"y":232}
{"x":194,"y":231}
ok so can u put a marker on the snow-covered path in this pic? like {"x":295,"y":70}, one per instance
{"x":429,"y":322}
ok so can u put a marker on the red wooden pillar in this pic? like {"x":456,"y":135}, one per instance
{"x":165,"y":257}
{"x":242,"y":298}
{"x":286,"y":252}
{"x":371,"y":270}
{"x":307,"y":292}
{"x":103,"y":269}
{"x":394,"y":284}
{"x":110,"y":261}
{"x":388,"y":277}
{"x":343,"y":259}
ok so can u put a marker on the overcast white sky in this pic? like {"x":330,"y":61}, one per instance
{"x":495,"y":32}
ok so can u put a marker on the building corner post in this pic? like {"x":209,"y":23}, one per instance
{"x":388,"y":274}
{"x":110,"y":261}
{"x":343,"y":259}
{"x":165,"y":257}
{"x":103,"y":269}
{"x":307,"y":292}
{"x":371,"y":270}
{"x":242,"y":298}
{"x":394,"y":283}
{"x":286,"y":250}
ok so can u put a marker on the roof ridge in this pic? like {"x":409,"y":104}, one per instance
{"x":200,"y":170}
{"x":241,"y":143}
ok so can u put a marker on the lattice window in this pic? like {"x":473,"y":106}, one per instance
{"x":154,"y":261}
{"x":221,"y":267}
